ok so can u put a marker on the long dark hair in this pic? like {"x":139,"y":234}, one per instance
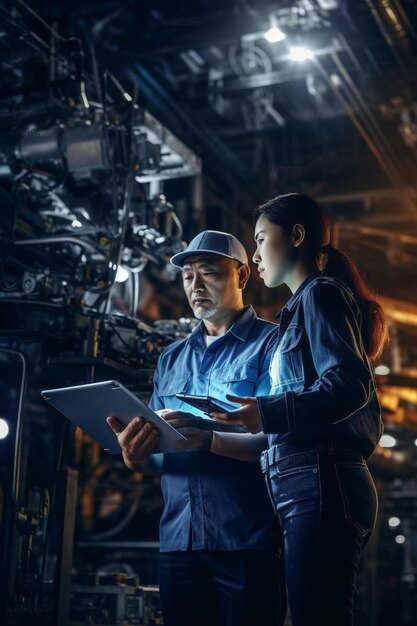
{"x":295,"y":208}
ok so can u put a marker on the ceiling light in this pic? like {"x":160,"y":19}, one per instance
{"x":400,"y":539}
{"x":382,"y":370}
{"x":393,"y":522}
{"x":335,"y":80}
{"x":299,"y":53}
{"x":387,"y":441}
{"x":274,"y":34}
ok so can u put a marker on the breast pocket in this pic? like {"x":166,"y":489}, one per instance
{"x":172,"y":384}
{"x":287,"y":368}
{"x":239,"y":378}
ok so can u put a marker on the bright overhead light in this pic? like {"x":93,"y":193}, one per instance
{"x":76,"y":224}
{"x":382,"y":370}
{"x":335,"y":80}
{"x":393,"y":522}
{"x":400,"y":539}
{"x":299,"y":53}
{"x":274,"y":34}
{"x":4,"y":428}
{"x":122,"y":275}
{"x":387,"y":441}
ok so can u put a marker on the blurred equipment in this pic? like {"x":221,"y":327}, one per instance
{"x":114,"y":599}
{"x":82,"y":214}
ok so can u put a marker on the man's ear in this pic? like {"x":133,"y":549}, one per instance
{"x":244,"y":273}
{"x":298,"y":235}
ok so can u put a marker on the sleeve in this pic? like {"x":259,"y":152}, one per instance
{"x":156,"y":404}
{"x":263,"y":385}
{"x":345,"y":381}
{"x":239,"y":446}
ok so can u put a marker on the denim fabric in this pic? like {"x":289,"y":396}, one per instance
{"x":213,"y":502}
{"x":322,"y":382}
{"x":234,"y":588}
{"x":326,"y":501}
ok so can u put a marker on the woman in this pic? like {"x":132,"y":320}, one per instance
{"x":322,"y":417}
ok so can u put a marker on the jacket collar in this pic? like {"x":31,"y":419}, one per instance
{"x":293,"y":301}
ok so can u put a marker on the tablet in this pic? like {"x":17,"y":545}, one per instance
{"x":206,"y":404}
{"x":88,"y":406}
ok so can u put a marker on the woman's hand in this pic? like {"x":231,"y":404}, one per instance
{"x":247,"y":416}
{"x":196,"y":429}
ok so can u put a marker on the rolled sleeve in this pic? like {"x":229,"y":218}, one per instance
{"x":344,"y":382}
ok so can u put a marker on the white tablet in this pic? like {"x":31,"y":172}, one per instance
{"x":88,"y":406}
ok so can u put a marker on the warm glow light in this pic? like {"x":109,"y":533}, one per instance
{"x":4,"y":428}
{"x":299,"y":53}
{"x":387,"y":441}
{"x":274,"y":34}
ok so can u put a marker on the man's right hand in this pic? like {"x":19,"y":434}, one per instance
{"x":137,"y":440}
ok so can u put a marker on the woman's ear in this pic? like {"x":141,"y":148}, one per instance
{"x":298,"y":234}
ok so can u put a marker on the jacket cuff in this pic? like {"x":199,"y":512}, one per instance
{"x":277,"y":413}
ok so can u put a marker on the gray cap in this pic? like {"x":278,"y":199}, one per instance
{"x":212,"y":242}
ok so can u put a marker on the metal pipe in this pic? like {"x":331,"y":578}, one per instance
{"x":10,"y":559}
{"x":384,"y":32}
{"x":378,"y":232}
{"x":376,"y":128}
{"x":57,"y":239}
{"x":359,"y":127}
{"x":369,"y":194}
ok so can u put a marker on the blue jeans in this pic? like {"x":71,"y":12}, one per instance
{"x":224,"y":588}
{"x":327,"y":503}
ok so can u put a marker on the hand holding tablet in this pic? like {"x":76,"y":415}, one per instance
{"x":89,"y":406}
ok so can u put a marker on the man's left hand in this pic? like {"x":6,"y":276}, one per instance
{"x":196,"y":429}
{"x":247,"y":416}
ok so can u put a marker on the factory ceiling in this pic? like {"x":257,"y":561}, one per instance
{"x":317,"y":96}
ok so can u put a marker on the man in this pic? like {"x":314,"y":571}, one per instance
{"x":218,"y":532}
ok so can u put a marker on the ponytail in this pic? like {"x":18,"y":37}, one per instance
{"x":374,"y":325}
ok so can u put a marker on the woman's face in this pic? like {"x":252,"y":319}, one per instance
{"x":275,"y":253}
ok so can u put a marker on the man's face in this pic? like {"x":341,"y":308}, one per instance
{"x":212,"y":284}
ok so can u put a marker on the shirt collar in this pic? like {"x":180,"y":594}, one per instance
{"x":240,"y":327}
{"x":292,"y":302}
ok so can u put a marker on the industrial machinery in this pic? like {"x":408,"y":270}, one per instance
{"x":83,"y":215}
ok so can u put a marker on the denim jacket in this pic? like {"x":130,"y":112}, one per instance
{"x":322,"y":382}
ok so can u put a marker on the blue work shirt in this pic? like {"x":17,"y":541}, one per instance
{"x":321,"y":379}
{"x":213,"y":502}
